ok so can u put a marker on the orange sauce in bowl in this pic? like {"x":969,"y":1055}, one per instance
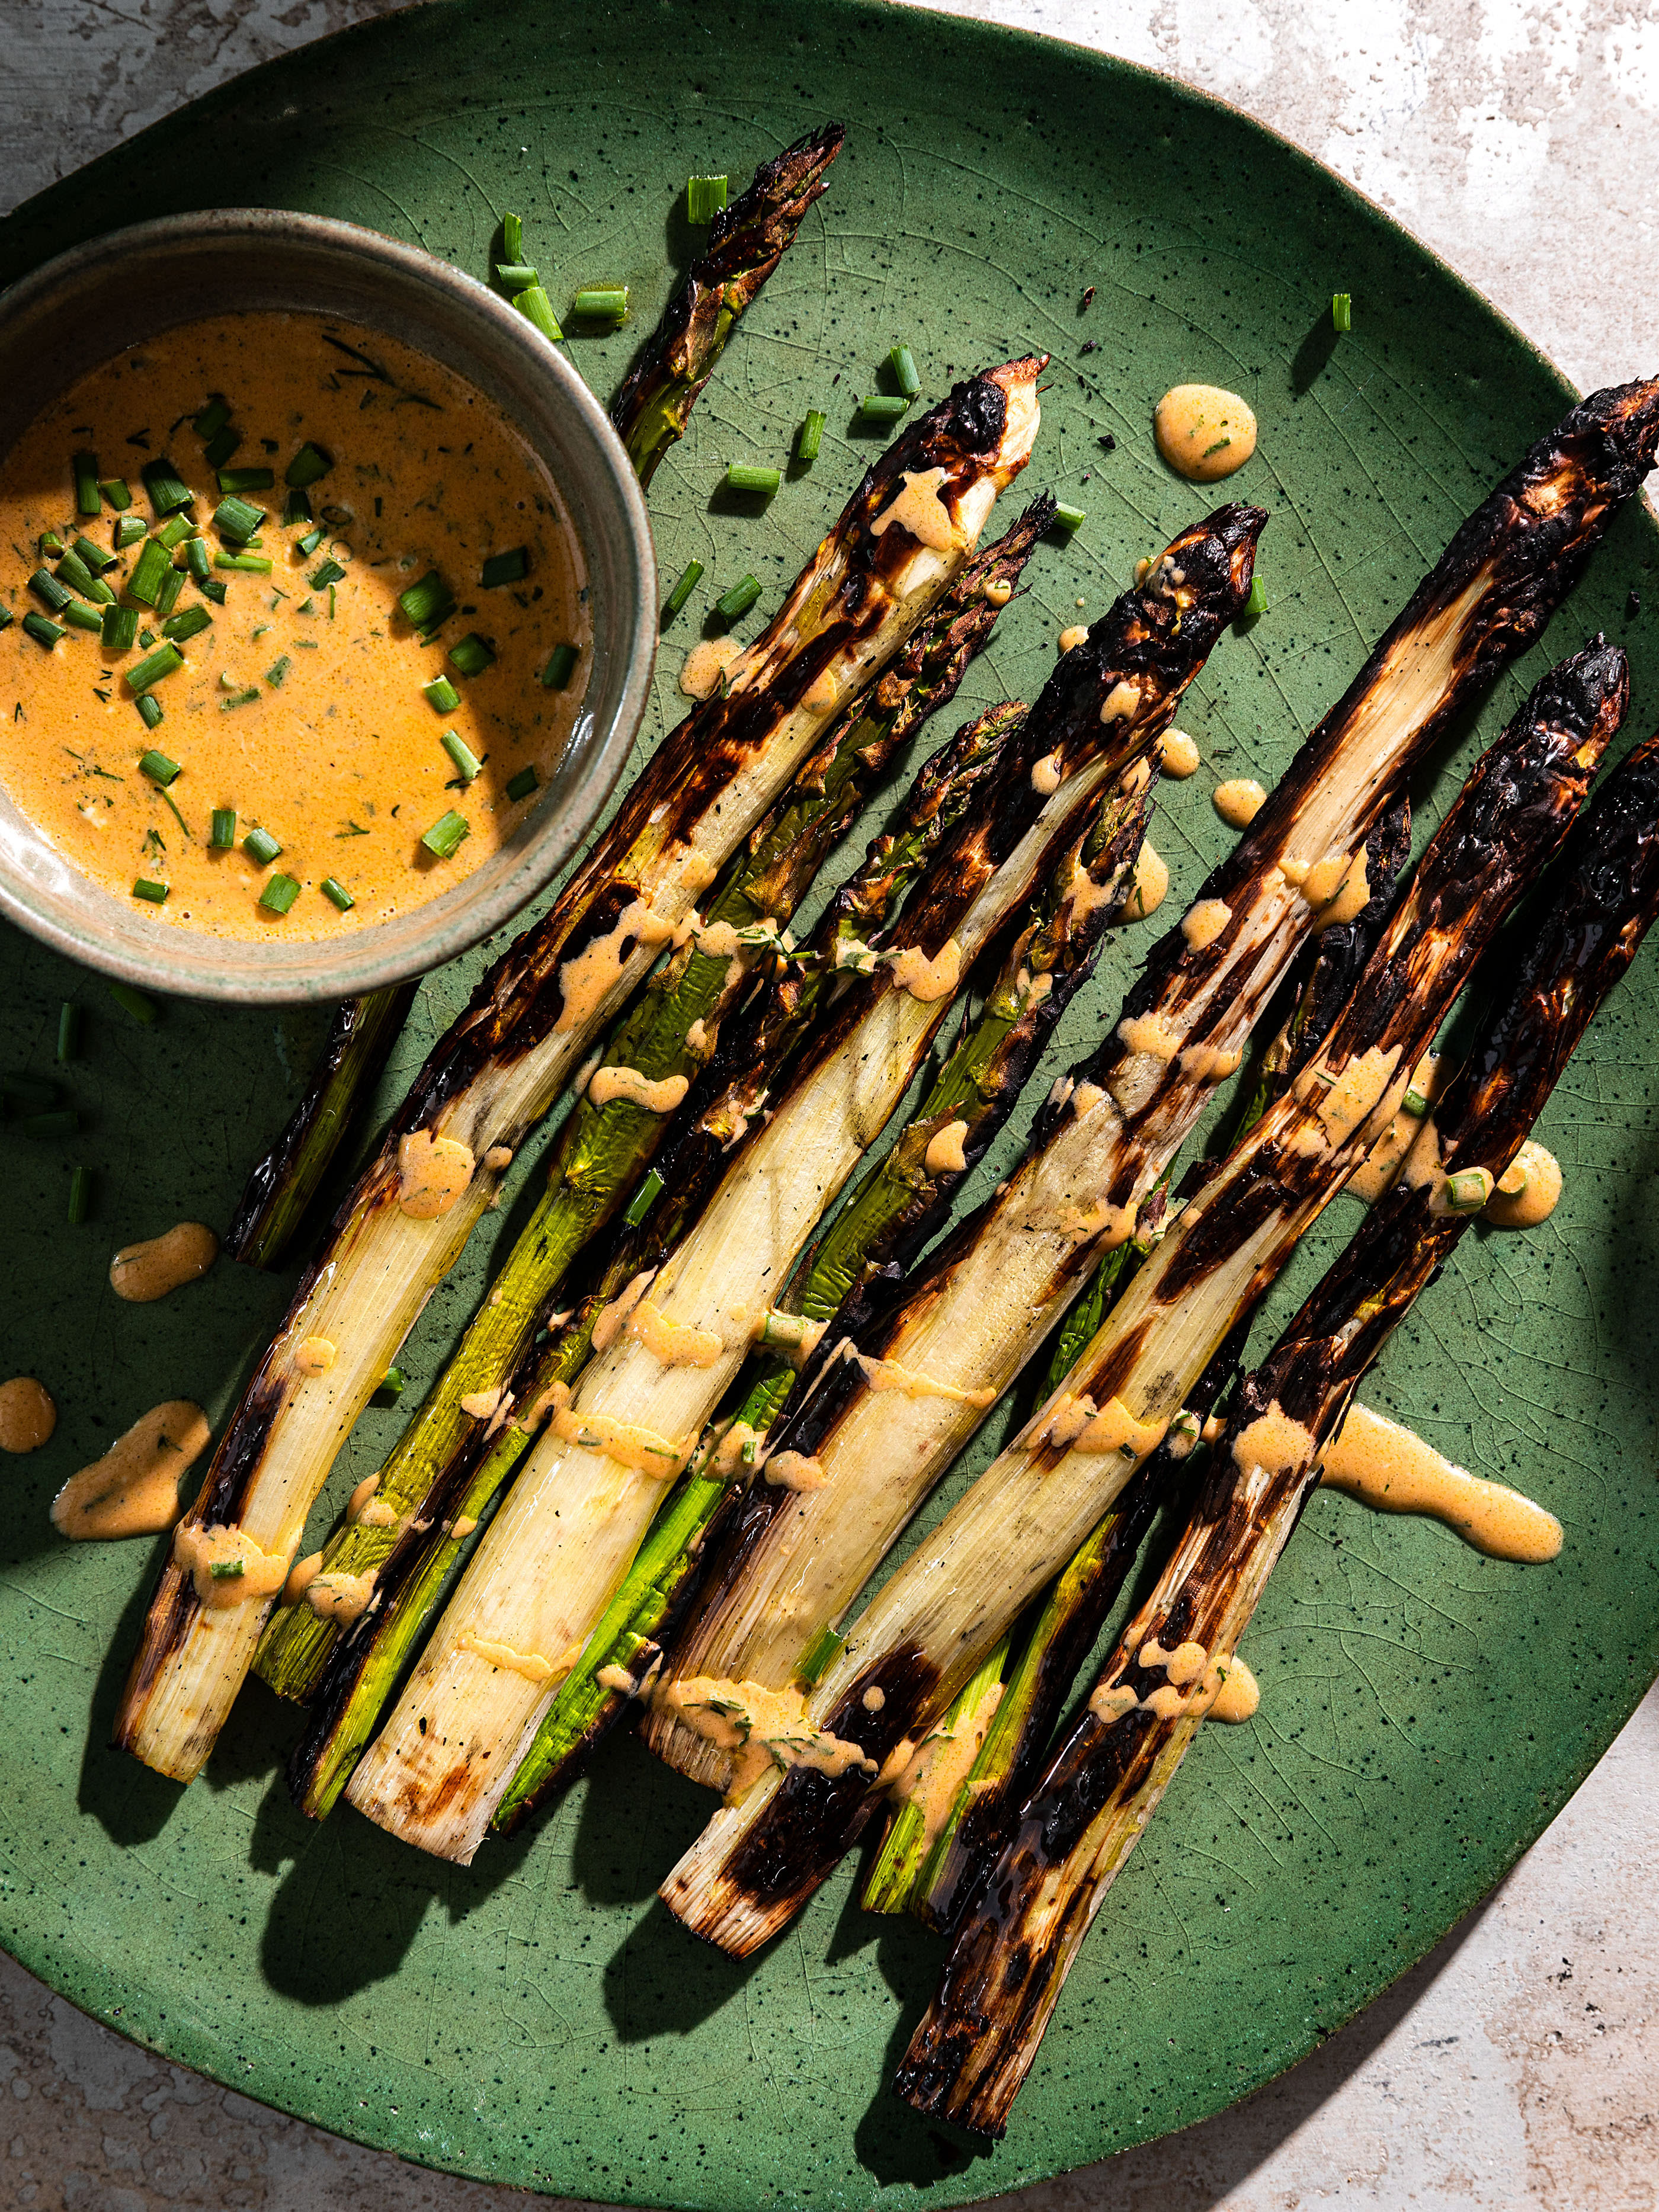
{"x":301,"y":706}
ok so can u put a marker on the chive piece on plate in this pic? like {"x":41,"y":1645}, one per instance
{"x":73,"y":571}
{"x":738,"y":600}
{"x":682,"y":591}
{"x":441,"y":696}
{"x":512,"y":250}
{"x":158,"y":768}
{"x":643,"y":1200}
{"x":69,"y":1030}
{"x":47,"y":589}
{"x":325,"y":572}
{"x":336,"y":892}
{"x":43,"y":631}
{"x":188,"y":623}
{"x":521,"y":786}
{"x":705,"y":196}
{"x":279,"y":893}
{"x":259,"y":845}
{"x":533,"y":304}
{"x":237,"y":519}
{"x":213,"y":417}
{"x":117,"y":493}
{"x":128,"y":531}
{"x":1342,"y":311}
{"x":234,"y":481}
{"x":310,"y":463}
{"x":277,"y":671}
{"x":471,"y":654}
{"x":391,"y":1387}
{"x":881,"y":407}
{"x":223,"y":835}
{"x":810,"y":436}
{"x":560,"y":664}
{"x":1067,"y":518}
{"x":155,"y":665}
{"x":82,"y":617}
{"x":142,"y":1009}
{"x":447,"y":834}
{"x":901,"y":361}
{"x":150,"y":710}
{"x":517,"y":276}
{"x":63,"y":1123}
{"x":220,"y":448}
{"x":467,"y":764}
{"x":148,"y":889}
{"x":88,"y":499}
{"x":120,"y":628}
{"x":747,"y":479}
{"x":1257,"y":602}
{"x":249,"y":564}
{"x":150,"y":572}
{"x":502,"y":568}
{"x":601,"y":303}
{"x":425,"y":603}
{"x":166,"y":490}
{"x":80,"y":1196}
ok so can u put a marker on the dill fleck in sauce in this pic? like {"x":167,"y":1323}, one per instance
{"x":301,"y":706}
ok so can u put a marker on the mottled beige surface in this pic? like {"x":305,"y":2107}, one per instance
{"x":1515,"y":2066}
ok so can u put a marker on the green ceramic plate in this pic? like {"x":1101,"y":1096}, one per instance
{"x":1424,"y":1712}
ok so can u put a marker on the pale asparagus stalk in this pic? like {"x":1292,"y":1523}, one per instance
{"x":938,"y":1616}
{"x":983,"y":1305}
{"x":1033,"y":1899}
{"x":869,"y":582}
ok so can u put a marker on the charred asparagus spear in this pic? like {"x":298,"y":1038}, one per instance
{"x":983,"y":1305}
{"x":746,"y":241}
{"x":1038,"y":1897}
{"x":869,"y":582}
{"x":939,"y":1615}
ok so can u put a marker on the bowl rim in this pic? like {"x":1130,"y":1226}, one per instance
{"x":547,"y":853}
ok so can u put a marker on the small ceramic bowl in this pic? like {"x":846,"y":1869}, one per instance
{"x":58,"y":323}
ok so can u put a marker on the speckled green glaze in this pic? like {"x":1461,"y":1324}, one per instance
{"x":1424,"y":1712}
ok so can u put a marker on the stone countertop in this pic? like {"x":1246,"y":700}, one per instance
{"x":1520,"y":138}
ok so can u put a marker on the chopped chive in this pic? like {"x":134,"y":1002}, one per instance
{"x":1415,"y":1102}
{"x":512,"y":250}
{"x":643,"y":1200}
{"x":82,"y":617}
{"x":120,"y":628}
{"x":158,"y":768}
{"x":167,"y":596}
{"x":88,"y":499}
{"x":148,"y":889}
{"x":1342,"y":311}
{"x":447,"y":834}
{"x":220,"y":446}
{"x":43,"y":631}
{"x":1465,"y":1192}
{"x":738,"y":600}
{"x":155,"y":665}
{"x":239,"y":480}
{"x":879,"y":407}
{"x":502,"y":568}
{"x":705,"y":196}
{"x":903,"y":364}
{"x":94,"y":556}
{"x":259,"y":845}
{"x":117,"y":492}
{"x":307,"y":544}
{"x":521,"y":786}
{"x":1257,"y":602}
{"x":213,"y":417}
{"x":325,"y":572}
{"x":1067,"y":518}
{"x":200,"y":559}
{"x":7,"y":617}
{"x":277,"y":670}
{"x":334,"y":890}
{"x":69,"y":1030}
{"x":128,"y":531}
{"x":63,"y":1123}
{"x":244,"y":697}
{"x":810,"y":436}
{"x":441,"y":696}
{"x":73,"y":571}
{"x":226,"y":1570}
{"x":48,"y":588}
{"x":815,"y":1661}
{"x":533,"y":304}
{"x":249,"y":564}
{"x":471,"y":654}
{"x":467,"y":764}
{"x":391,"y":1387}
{"x":162,"y":484}
{"x":38,"y":1091}
{"x":601,"y":303}
{"x":560,"y":664}
{"x":175,"y":529}
{"x":222,"y":834}
{"x":188,"y":623}
{"x":237,"y":519}
{"x":50,"y":545}
{"x":682,"y":591}
{"x":150,"y":710}
{"x":279,"y":893}
{"x":516,"y":276}
{"x":150,"y":572}
{"x":213,"y":588}
{"x":307,"y":464}
{"x":331,"y":602}
{"x":425,"y":603}
{"x":739,"y":478}
{"x":80,"y":1196}
{"x":142,"y":1009}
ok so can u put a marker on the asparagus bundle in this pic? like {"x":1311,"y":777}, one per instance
{"x":937,"y":1617}
{"x":985,"y":1303}
{"x":746,"y":241}
{"x":1038,"y":1897}
{"x":591,"y":1487}
{"x":419,"y":1547}
{"x":906,"y":532}
{"x":661,"y":1044}
{"x":937,"y":1831}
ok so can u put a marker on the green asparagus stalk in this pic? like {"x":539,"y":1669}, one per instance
{"x":1033,"y":1898}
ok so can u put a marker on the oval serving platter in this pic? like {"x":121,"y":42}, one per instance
{"x":538,"y":2018}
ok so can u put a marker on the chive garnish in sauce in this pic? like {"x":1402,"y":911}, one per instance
{"x":150,"y":572}
{"x":146,"y":887}
{"x":334,"y":890}
{"x":467,"y":764}
{"x":499,"y":569}
{"x":47,"y":589}
{"x":279,"y":894}
{"x":471,"y":654}
{"x":325,"y":572}
{"x":88,"y":499}
{"x":158,"y":768}
{"x":128,"y":531}
{"x":155,"y":665}
{"x":237,"y":519}
{"x":188,"y":623}
{"x":236,"y":480}
{"x":441,"y":696}
{"x":310,"y":463}
{"x":277,"y":671}
{"x":82,"y":617}
{"x":447,"y":835}
{"x":73,"y":571}
{"x":42,"y":629}
{"x":199,"y":556}
{"x":175,"y":529}
{"x":213,"y":417}
{"x":259,"y":845}
{"x":117,"y":492}
{"x":521,"y":785}
{"x":220,"y":448}
{"x":248,"y":564}
{"x":166,"y":596}
{"x":561,"y":662}
{"x":227,"y":1570}
{"x":93,"y":556}
{"x":150,"y":710}
{"x":222,"y":834}
{"x":120,"y":628}
{"x":166,"y":492}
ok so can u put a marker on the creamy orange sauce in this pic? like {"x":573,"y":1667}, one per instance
{"x":919,"y":508}
{"x":141,"y":1272}
{"x":300,"y":706}
{"x":1121,"y":703}
{"x":1177,"y":754}
{"x":1202,"y":924}
{"x":226,"y":1566}
{"x":931,"y":1780}
{"x":792,"y":1470}
{"x":1149,"y":887}
{"x":630,"y":1444}
{"x":1529,"y":1191}
{"x":1076,"y":1425}
{"x":1209,"y":1063}
{"x":888,"y":1375}
{"x":27,"y":1415}
{"x":300,"y":1576}
{"x":1147,"y":1033}
{"x":1239,"y":801}
{"x":661,"y":1095}
{"x":133,"y":1490}
{"x":925,"y":979}
{"x":944,"y":1155}
{"x":432,"y":1173}
{"x":761,"y":1727}
{"x":1073,"y":635}
{"x":1203,"y":432}
{"x":1386,"y":1466}
{"x":1272,"y":1441}
{"x":1045,"y":775}
{"x":675,"y":1343}
{"x":531,"y":1664}
{"x":707,"y":665}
